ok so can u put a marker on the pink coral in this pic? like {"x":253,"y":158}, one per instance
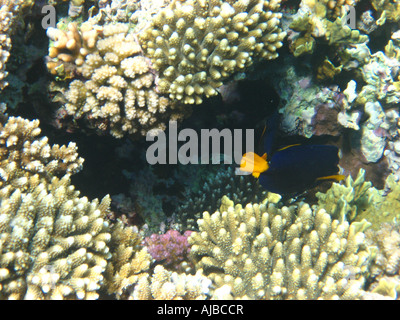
{"x":171,"y":248}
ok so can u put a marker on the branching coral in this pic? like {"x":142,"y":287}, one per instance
{"x":24,"y":154}
{"x":53,"y":243}
{"x":197,"y":45}
{"x":167,"y":285}
{"x":117,"y":91}
{"x":261,"y":251}
{"x":128,"y":263}
{"x":69,"y":48}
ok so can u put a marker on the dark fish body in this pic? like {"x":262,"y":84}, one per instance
{"x":300,"y":167}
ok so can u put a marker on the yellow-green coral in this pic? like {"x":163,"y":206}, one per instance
{"x":388,"y":10}
{"x":327,"y":71}
{"x":337,"y":32}
{"x":197,"y":45}
{"x":357,"y":200}
{"x":261,"y":251}
{"x":324,"y":18}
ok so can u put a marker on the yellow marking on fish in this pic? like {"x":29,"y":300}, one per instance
{"x":337,"y":177}
{"x":292,"y":145}
{"x":252,"y":162}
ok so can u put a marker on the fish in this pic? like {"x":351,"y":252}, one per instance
{"x":292,"y":169}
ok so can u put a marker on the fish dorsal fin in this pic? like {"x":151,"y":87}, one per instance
{"x":337,"y":177}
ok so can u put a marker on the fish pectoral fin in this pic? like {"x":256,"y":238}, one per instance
{"x":256,"y":174}
{"x":292,"y":145}
{"x":337,"y":177}
{"x":264,"y":156}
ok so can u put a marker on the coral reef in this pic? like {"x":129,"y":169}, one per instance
{"x":262,"y":251}
{"x":167,"y":285}
{"x":126,"y":67}
{"x":197,"y":45}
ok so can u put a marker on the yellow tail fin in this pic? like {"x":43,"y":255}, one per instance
{"x":337,"y":177}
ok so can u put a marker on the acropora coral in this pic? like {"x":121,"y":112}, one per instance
{"x":128,"y":263}
{"x":197,"y":45}
{"x":55,"y":244}
{"x":262,"y":251}
{"x":123,"y":68}
{"x":167,"y":285}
